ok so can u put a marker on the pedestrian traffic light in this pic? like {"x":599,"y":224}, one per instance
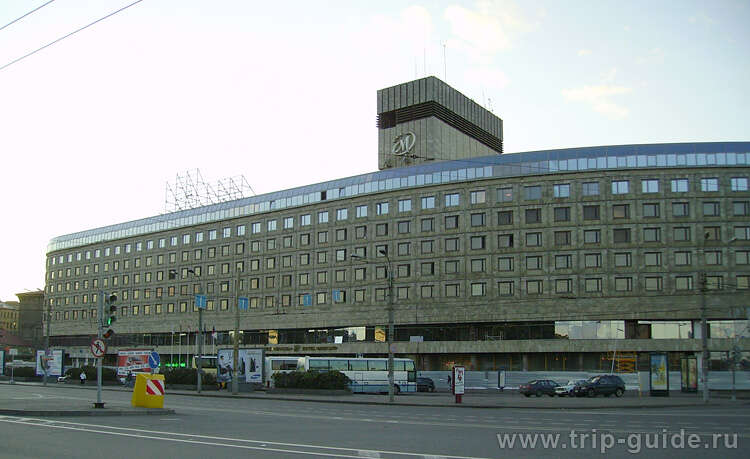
{"x":111,"y":309}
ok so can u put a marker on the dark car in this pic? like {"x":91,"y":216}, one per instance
{"x":538,"y":387}
{"x":601,"y":385}
{"x":425,"y":385}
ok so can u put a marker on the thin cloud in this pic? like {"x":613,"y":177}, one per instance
{"x":584,"y":52}
{"x":598,"y":98}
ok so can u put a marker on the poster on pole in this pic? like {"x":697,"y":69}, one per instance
{"x":659,"y":374}
{"x":133,"y":361}
{"x":2,"y":362}
{"x":459,"y":380}
{"x":54,"y":362}
{"x":250,"y":365}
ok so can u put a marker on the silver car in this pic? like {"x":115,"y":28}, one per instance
{"x":567,"y":389}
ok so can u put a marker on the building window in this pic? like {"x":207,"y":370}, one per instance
{"x":428,"y":225}
{"x":478,"y":289}
{"x":709,"y":184}
{"x":680,"y":209}
{"x":478,"y":197}
{"x":342,"y":214}
{"x":341,"y":234}
{"x":738,"y":184}
{"x":360,"y":232}
{"x":593,"y":285}
{"x":478,"y":265}
{"x":505,"y":288}
{"x":451,"y":222}
{"x":712,"y":233}
{"x":593,"y":260}
{"x":533,"y":239}
{"x":563,"y":261}
{"x":505,"y":194}
{"x":743,"y":282}
{"x":650,"y":210}
{"x":621,"y":211}
{"x":742,"y":257}
{"x":562,"y":214}
{"x":451,"y":290}
{"x":561,"y":190}
{"x":533,"y":216}
{"x":623,"y":284}
{"x":534,"y":287}
{"x":682,"y":258}
{"x":741,"y":232}
{"x":505,"y":264}
{"x":533,"y":192}
{"x":652,"y":258}
{"x":650,"y":186}
{"x":620,"y":186}
{"x":288,"y":222}
{"x":622,"y":259}
{"x":651,"y":234}
{"x":452,"y":199}
{"x":477,"y":219}
{"x":563,"y":285}
{"x":505,"y":217}
{"x":713,"y":257}
{"x":562,"y":238}
{"x":534,"y":263}
{"x":428,"y":202}
{"x":428,"y":246}
{"x":404,"y":205}
{"x":404,"y":227}
{"x":381,"y":208}
{"x":427,"y":268}
{"x":741,"y":208}
{"x":477,"y":242}
{"x":714,"y":282}
{"x":710,"y":209}
{"x":653,"y":284}
{"x":683,"y":283}
{"x":361,"y":211}
{"x":322,"y":237}
{"x":451,"y":245}
{"x":590,"y":188}
{"x":591,"y":212}
{"x":505,"y":240}
{"x":323,"y":216}
{"x":404,"y":249}
{"x":381,"y":229}
{"x":681,"y":234}
{"x":451,"y":267}
{"x":679,"y":185}
{"x":621,"y":234}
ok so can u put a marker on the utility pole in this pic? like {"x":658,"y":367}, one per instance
{"x":704,"y":337}
{"x":99,"y":403}
{"x":236,"y":350}
{"x":201,"y":305}
{"x":389,"y":339}
{"x":48,"y":316}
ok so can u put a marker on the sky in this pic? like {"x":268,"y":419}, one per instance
{"x":93,"y":127}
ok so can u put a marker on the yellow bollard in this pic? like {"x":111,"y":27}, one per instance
{"x":148,"y":391}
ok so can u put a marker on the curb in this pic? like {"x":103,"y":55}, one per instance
{"x":97,"y":412}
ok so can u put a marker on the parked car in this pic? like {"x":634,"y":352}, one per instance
{"x":425,"y":384}
{"x":567,"y":389}
{"x":63,"y":378}
{"x":538,"y":387}
{"x":601,"y":385}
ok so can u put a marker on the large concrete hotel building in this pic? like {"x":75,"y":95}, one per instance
{"x":543,"y":260}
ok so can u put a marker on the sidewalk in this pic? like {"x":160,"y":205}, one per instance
{"x":474,"y":399}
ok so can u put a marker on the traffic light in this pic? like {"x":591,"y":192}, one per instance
{"x":111,"y":309}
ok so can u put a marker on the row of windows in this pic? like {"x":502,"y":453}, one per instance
{"x":476,"y":242}
{"x":426,"y":268}
{"x":650,"y":283}
{"x":503,"y":194}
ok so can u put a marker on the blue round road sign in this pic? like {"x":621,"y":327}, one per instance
{"x":153,"y":360}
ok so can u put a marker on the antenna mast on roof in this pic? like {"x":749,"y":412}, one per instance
{"x":189,"y":191}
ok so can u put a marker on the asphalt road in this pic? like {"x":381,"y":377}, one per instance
{"x":222,"y":427}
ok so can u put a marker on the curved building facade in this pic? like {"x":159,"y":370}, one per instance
{"x":546,"y":260}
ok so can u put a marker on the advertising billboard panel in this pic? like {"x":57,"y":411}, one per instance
{"x":250,"y":363}
{"x":54,"y":362}
{"x":134,"y":361}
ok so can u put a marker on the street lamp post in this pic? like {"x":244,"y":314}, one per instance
{"x":200,"y":336}
{"x":236,"y":344}
{"x":389,"y":338}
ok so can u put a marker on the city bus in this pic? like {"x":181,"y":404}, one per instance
{"x":367,"y":375}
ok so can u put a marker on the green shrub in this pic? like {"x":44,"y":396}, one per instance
{"x":311,"y":380}
{"x":21,"y":372}
{"x":187,"y":376}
